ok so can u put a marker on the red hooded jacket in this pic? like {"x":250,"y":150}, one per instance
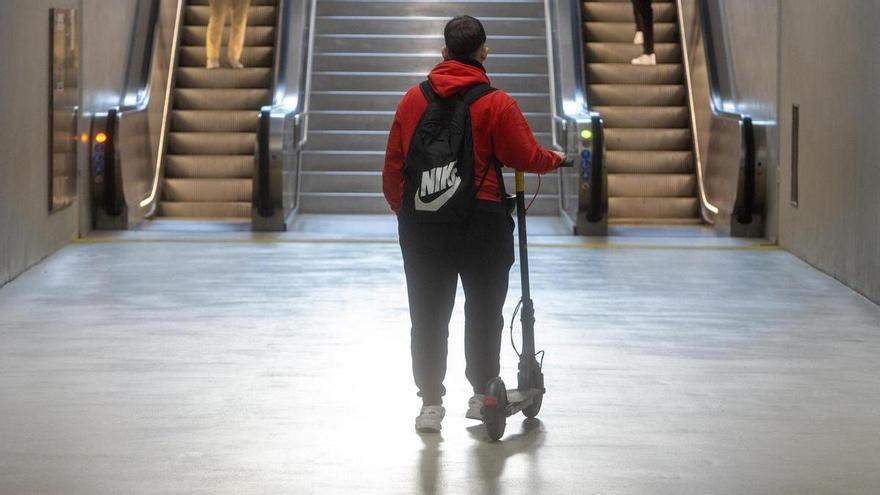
{"x":499,"y":130}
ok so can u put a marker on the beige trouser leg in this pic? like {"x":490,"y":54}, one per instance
{"x":239,"y":26}
{"x":215,"y":28}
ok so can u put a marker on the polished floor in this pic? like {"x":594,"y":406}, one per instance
{"x":219,"y":361}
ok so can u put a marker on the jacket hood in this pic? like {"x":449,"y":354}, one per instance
{"x":456,"y":75}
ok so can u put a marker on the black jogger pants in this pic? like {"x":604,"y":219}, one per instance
{"x":645,"y":23}
{"x":480,"y":251}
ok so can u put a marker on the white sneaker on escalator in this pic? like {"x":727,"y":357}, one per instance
{"x":645,"y":59}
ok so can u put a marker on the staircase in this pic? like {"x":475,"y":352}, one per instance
{"x":368,"y":53}
{"x":650,"y":160}
{"x":213,"y":121}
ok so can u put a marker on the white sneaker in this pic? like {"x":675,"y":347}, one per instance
{"x":475,"y":407}
{"x":212,"y":64}
{"x":428,"y":420}
{"x":639,"y":39}
{"x":236,"y":64}
{"x":645,"y":59}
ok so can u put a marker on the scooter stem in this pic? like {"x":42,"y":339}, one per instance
{"x":527,"y":314}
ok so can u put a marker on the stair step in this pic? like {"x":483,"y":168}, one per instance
{"x":253,"y":36}
{"x":251,"y":56}
{"x":221,"y":99}
{"x":224,"y":78}
{"x":403,"y":25}
{"x":634,"y":74}
{"x":653,"y":208}
{"x":402,"y":81}
{"x":387,"y":100}
{"x":354,"y":140}
{"x":421,"y":43}
{"x":651,"y":185}
{"x":440,"y":9}
{"x":624,"y":32}
{"x":653,"y":117}
{"x":623,"y":12}
{"x":371,"y":182}
{"x":214,"y":121}
{"x":369,"y":62}
{"x":196,"y":190}
{"x":342,"y":161}
{"x":367,"y":203}
{"x":381,"y":120}
{"x":258,"y":15}
{"x":649,"y":162}
{"x":205,"y":209}
{"x":648,"y":139}
{"x":637,"y":94}
{"x":253,"y":2}
{"x":212,"y":143}
{"x":209,"y":166}
{"x":617,"y":53}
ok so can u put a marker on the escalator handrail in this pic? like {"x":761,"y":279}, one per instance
{"x":745,"y":211}
{"x":283,"y":92}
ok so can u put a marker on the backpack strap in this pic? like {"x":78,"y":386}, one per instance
{"x":476,"y":92}
{"x":428,"y":91}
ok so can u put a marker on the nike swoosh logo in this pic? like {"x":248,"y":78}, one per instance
{"x":439,"y":201}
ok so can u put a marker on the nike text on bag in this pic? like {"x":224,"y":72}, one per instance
{"x":439,"y":166}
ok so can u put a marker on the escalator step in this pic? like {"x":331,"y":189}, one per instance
{"x":651,"y":185}
{"x":212,"y":143}
{"x":623,"y":11}
{"x":214,"y":121}
{"x":626,"y":73}
{"x":649,"y":162}
{"x":258,"y":15}
{"x":666,"y":95}
{"x":622,"y":209}
{"x":633,"y":116}
{"x":251,"y":56}
{"x":648,"y":139}
{"x":253,"y":36}
{"x":194,"y":190}
{"x":623,"y":32}
{"x":247,"y":78}
{"x":623,"y":53}
{"x":209,"y":166}
{"x":205,"y":209}
{"x":221,"y":99}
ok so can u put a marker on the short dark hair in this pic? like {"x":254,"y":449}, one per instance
{"x":464,"y":35}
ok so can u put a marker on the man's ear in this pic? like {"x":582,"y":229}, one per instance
{"x":484,"y":52}
{"x":445,"y":53}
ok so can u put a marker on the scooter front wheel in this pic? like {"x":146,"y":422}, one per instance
{"x":495,"y":408}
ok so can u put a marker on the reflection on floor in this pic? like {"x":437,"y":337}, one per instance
{"x":232,"y":362}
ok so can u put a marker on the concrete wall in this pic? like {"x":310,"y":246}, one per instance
{"x":28,"y":233}
{"x":830,"y":66}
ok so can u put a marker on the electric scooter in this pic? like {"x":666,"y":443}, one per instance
{"x":498,"y":401}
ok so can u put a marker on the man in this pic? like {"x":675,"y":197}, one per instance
{"x":644,"y":32}
{"x":478,"y":247}
{"x":238,"y":25}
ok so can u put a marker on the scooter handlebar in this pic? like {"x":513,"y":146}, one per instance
{"x":567,"y":162}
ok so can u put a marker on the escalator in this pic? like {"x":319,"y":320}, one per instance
{"x":211,"y":144}
{"x":649,"y":147}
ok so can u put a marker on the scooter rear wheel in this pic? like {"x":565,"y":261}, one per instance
{"x":495,"y":408}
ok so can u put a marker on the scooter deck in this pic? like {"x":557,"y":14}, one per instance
{"x":517,"y":400}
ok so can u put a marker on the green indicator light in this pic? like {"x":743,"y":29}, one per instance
{"x":586,"y":134}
